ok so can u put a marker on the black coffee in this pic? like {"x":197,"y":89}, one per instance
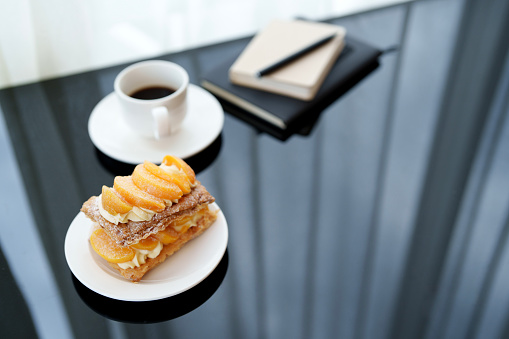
{"x":150,"y":93}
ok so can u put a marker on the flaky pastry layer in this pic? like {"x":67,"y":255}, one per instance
{"x":126,"y":234}
{"x":135,"y":274}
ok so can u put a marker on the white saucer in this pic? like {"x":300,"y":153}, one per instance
{"x":111,"y":135}
{"x":180,"y":272}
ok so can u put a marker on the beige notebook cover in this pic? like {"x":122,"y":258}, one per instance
{"x":302,"y":77}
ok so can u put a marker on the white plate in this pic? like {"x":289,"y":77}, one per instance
{"x":180,"y":272}
{"x":111,"y":135}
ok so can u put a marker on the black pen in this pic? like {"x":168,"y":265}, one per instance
{"x":281,"y":63}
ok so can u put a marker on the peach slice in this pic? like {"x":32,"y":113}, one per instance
{"x":109,"y":249}
{"x":135,"y":196}
{"x":146,"y":244}
{"x":182,"y":220}
{"x":113,"y":203}
{"x":181,"y":164}
{"x":167,"y":236}
{"x":178,"y":178}
{"x":154,"y":185}
{"x":181,"y":226}
{"x":184,"y":228}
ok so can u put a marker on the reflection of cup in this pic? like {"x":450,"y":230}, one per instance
{"x":152,"y":95}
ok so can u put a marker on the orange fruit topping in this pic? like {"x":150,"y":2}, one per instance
{"x":178,"y":178}
{"x":146,"y":244}
{"x":184,"y":229}
{"x":182,"y":225}
{"x":182,"y":220}
{"x":113,"y":203}
{"x":109,"y":249}
{"x":167,"y":236}
{"x":135,"y":196}
{"x":154,"y":185}
{"x":181,"y":164}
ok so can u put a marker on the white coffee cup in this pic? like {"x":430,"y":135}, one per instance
{"x":154,"y":117}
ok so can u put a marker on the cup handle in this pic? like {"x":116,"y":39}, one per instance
{"x":161,"y":122}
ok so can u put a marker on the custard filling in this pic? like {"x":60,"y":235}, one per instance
{"x":177,"y":228}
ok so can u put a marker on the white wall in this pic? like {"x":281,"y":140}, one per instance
{"x":44,"y":39}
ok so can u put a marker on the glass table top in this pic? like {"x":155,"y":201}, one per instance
{"x":279,"y":198}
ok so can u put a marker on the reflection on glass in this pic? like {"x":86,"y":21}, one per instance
{"x":155,"y":310}
{"x":198,"y":162}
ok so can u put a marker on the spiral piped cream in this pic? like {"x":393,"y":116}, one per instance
{"x":139,"y":213}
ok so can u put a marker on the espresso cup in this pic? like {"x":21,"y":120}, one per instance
{"x":153,"y":97}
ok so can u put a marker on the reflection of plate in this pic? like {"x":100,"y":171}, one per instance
{"x":150,"y":311}
{"x":111,"y":135}
{"x":180,"y":272}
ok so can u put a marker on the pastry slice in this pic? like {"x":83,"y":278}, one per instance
{"x":147,"y":216}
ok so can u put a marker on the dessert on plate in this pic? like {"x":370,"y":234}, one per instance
{"x":147,"y":216}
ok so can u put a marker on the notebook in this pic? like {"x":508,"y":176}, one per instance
{"x":283,"y":116}
{"x":300,"y":78}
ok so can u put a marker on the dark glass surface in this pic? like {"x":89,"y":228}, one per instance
{"x":146,"y":312}
{"x":257,"y":181}
{"x":198,"y":162}
{"x":19,"y":323}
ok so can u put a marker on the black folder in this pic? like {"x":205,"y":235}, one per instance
{"x":282,"y":116}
